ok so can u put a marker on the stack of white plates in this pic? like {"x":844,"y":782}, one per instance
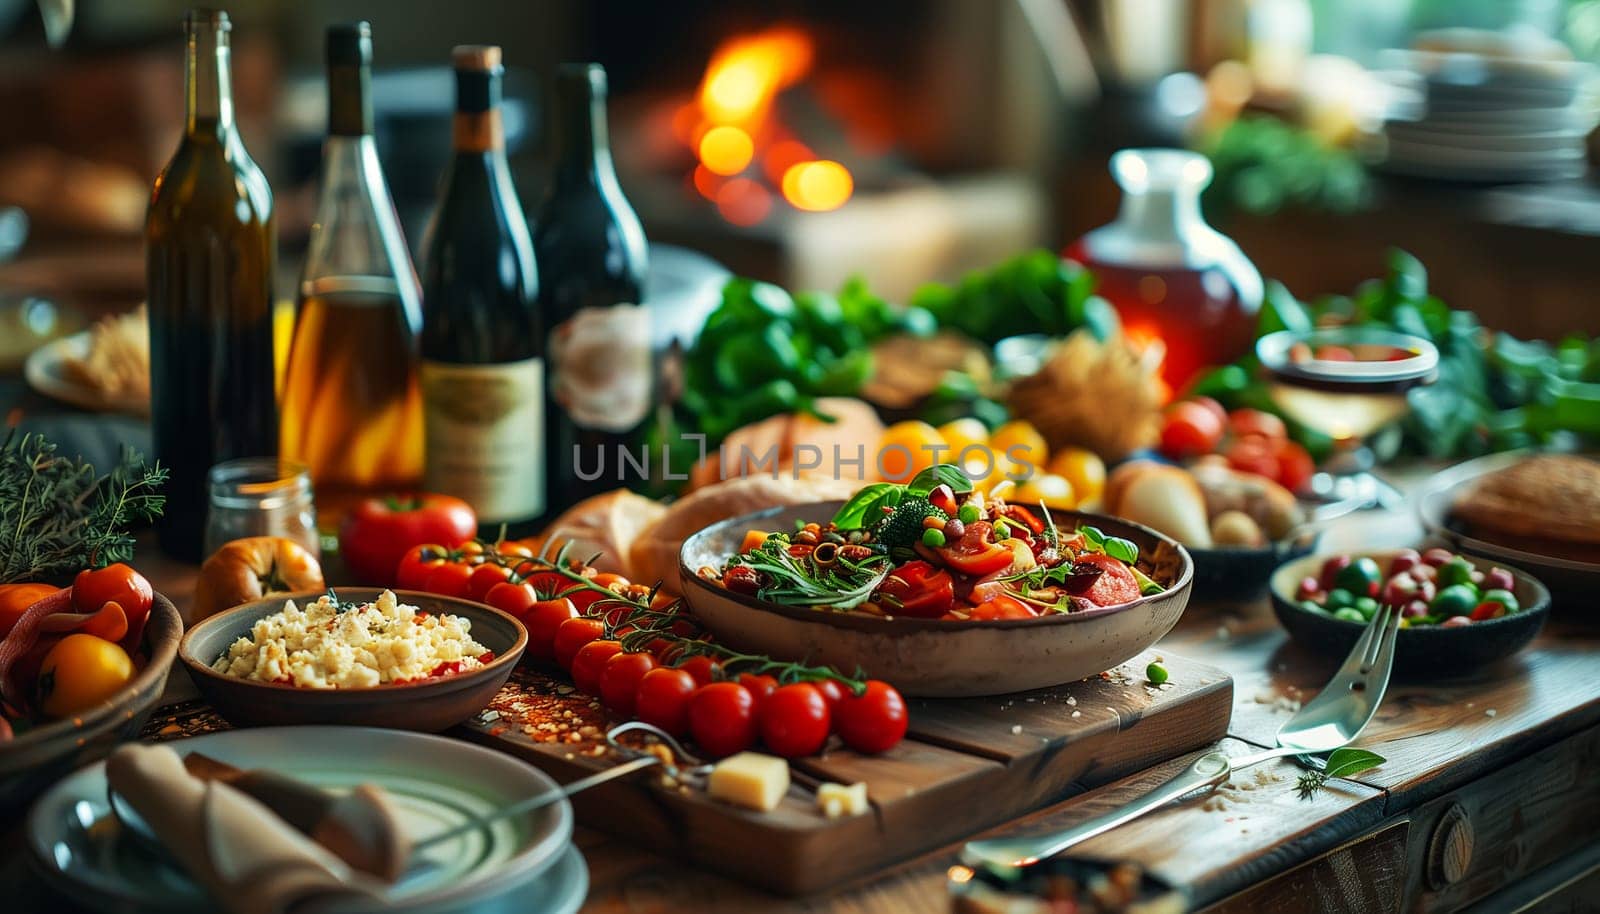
{"x":1481,"y":106}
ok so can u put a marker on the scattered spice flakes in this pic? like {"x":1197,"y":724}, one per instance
{"x":547,"y":711}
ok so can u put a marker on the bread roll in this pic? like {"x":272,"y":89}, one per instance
{"x":607,"y":524}
{"x":654,"y":554}
{"x":1167,"y":499}
{"x":749,"y":450}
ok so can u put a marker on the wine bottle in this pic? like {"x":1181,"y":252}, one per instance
{"x":352,"y":409}
{"x":592,"y":261}
{"x":482,"y":340}
{"x":210,"y":248}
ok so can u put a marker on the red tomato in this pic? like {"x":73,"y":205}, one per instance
{"x":759,"y":685}
{"x":572,"y":635}
{"x":590,"y":661}
{"x":378,"y":532}
{"x":1115,"y":585}
{"x":875,"y":721}
{"x":975,"y":553}
{"x":547,"y":583}
{"x":619,"y":681}
{"x":1189,"y":430}
{"x":119,"y":584}
{"x":1247,"y":422}
{"x":1295,"y":466}
{"x":663,"y":699}
{"x":515,"y":599}
{"x":510,"y":548}
{"x":1001,"y":606}
{"x":795,"y":720}
{"x":1488,"y":610}
{"x":920,"y":590}
{"x":832,"y":691}
{"x":1212,"y":407}
{"x":449,"y":580}
{"x":722,"y":718}
{"x":1254,"y":455}
{"x":702,"y":668}
{"x":484,"y":577}
{"x":543,"y":619}
{"x":418,"y":563}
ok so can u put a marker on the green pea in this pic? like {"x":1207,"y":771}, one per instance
{"x":1350,"y":614}
{"x":1505,"y":598}
{"x":968,"y":513}
{"x":1339,"y":598}
{"x":1366,"y":606}
{"x":1001,"y":530}
{"x":933,"y":537}
{"x":1156,"y":673}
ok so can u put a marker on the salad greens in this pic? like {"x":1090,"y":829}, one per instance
{"x":1494,"y":391}
{"x":866,"y":506}
{"x":798,"y":581}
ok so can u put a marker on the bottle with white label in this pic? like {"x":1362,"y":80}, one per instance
{"x":482,"y":342}
{"x":592,"y":263}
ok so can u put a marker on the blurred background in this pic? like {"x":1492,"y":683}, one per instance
{"x":954,"y":133}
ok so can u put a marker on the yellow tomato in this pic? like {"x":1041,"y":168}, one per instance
{"x":1019,"y":448}
{"x":907,"y":448}
{"x":15,"y":600}
{"x":961,"y":434}
{"x":1084,"y":469}
{"x":1055,"y":491}
{"x":81,"y":672}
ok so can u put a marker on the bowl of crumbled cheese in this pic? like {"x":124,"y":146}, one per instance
{"x":361,"y":656}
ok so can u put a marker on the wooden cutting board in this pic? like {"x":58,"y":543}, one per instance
{"x":965,"y":765}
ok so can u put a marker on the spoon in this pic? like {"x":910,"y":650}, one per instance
{"x":1330,"y":721}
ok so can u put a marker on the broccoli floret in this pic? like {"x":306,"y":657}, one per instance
{"x":903,"y":527}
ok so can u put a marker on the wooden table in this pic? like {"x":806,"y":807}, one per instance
{"x":1488,"y":800}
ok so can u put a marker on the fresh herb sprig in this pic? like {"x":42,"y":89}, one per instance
{"x":58,"y":516}
{"x":844,"y":584}
{"x":1342,"y":763}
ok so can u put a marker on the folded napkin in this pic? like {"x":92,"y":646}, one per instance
{"x":251,"y":861}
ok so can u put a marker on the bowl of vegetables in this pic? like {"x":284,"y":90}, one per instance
{"x":1457,"y":613}
{"x":81,"y":668}
{"x":937,"y":588}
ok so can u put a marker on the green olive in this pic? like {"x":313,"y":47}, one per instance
{"x":1351,"y":614}
{"x":1505,"y":598}
{"x":1339,"y":598}
{"x":1366,"y":606}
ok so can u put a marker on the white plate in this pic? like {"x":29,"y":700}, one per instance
{"x":46,"y":371}
{"x":436,"y":783}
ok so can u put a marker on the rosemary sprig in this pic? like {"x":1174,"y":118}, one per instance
{"x":58,"y":516}
{"x":844,"y":584}
{"x":1342,"y":763}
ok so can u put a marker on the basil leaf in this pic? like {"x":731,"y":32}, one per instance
{"x":863,"y":505}
{"x":1093,"y":537}
{"x":1122,"y":550}
{"x":943,"y":474}
{"x":1344,"y":762}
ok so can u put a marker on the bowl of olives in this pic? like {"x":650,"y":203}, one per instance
{"x":1458,"y":613}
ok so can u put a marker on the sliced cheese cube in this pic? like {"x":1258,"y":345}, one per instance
{"x":750,"y":779}
{"x":837,"y":800}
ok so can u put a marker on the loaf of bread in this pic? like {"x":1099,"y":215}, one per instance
{"x":606,"y":524}
{"x":654,"y":554}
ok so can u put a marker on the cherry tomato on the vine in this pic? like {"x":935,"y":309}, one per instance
{"x":572,"y":635}
{"x":702,"y":668}
{"x":722,"y":718}
{"x":418,"y":563}
{"x":663,"y":699}
{"x":619,"y":681}
{"x":590,"y":660}
{"x":874,"y":721}
{"x":832,"y":691}
{"x":795,"y":720}
{"x":515,"y":599}
{"x":484,"y":577}
{"x":760,"y":685}
{"x":543,"y":619}
{"x":449,"y":580}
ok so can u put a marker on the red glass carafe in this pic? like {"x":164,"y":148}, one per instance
{"x":1171,"y":276}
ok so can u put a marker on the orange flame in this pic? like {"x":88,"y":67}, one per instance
{"x":727,"y":129}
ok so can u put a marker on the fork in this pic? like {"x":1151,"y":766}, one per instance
{"x":1330,"y":721}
